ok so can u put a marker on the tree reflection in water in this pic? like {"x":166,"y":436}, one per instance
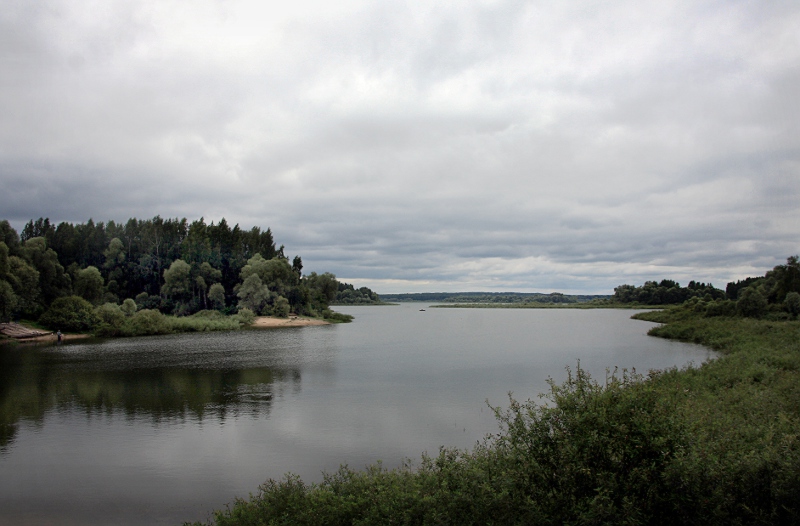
{"x":34,"y":380}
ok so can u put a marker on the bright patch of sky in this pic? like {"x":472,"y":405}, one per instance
{"x":421,"y":146}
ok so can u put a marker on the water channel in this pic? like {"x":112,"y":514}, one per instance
{"x":161,"y":430}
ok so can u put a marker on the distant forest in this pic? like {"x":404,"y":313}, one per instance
{"x":169,"y":265}
{"x":492,"y":297}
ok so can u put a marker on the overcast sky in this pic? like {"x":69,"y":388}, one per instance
{"x":421,"y":146}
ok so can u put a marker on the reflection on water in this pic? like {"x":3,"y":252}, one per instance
{"x":168,"y":378}
{"x":159,"y":430}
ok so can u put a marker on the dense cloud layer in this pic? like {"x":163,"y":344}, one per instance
{"x":412,"y":146}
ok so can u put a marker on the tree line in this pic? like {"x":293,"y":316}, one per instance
{"x":776,"y":294}
{"x":494,"y":297}
{"x":172,"y":266}
{"x":347,"y":294}
{"x":665,"y":292}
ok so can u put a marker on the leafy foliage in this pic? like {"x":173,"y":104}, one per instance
{"x":89,"y":285}
{"x":70,"y":313}
{"x":775,"y":294}
{"x":665,"y":292}
{"x":170,"y":266}
{"x":347,"y":294}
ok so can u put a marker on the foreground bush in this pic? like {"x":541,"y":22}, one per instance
{"x":715,"y":444}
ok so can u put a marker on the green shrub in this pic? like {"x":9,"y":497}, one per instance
{"x":204,"y":321}
{"x":721,"y":308}
{"x":281,"y":307}
{"x":145,"y":301}
{"x":128,"y":307}
{"x":69,"y":313}
{"x":752,"y":303}
{"x":245,"y":316}
{"x":336,"y":317}
{"x":147,"y":322}
{"x":110,"y":319}
{"x":792,"y":303}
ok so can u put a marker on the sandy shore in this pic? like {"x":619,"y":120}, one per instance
{"x":292,"y":321}
{"x":48,"y":338}
{"x":260,"y":322}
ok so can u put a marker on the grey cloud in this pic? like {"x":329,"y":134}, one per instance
{"x":518,"y":145}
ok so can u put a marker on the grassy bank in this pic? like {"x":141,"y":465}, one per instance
{"x":715,"y":444}
{"x":76,"y":315}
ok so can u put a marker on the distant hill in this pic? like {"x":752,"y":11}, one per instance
{"x":492,"y":297}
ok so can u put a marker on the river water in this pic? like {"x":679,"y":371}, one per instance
{"x":161,"y":430}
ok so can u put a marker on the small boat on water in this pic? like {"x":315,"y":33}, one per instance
{"x":422,"y":310}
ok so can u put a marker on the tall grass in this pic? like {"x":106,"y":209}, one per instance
{"x":715,"y":444}
{"x":150,"y":322}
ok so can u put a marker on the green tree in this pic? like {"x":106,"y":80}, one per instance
{"x":110,"y":319}
{"x":53,"y":281}
{"x":178,"y":281}
{"x":752,"y":303}
{"x":792,"y":303}
{"x":24,"y":280}
{"x":253,"y":294}
{"x":280,"y":307}
{"x":39,"y":228}
{"x":275,"y":278}
{"x":70,"y":313}
{"x":4,"y":265}
{"x":8,"y":301}
{"x":9,"y":236}
{"x":128,"y":307}
{"x":276,"y":273}
{"x":216,"y":293}
{"x":89,"y":285}
{"x":196,"y":247}
{"x":206,"y":276}
{"x":114,"y":254}
{"x":325,"y":285}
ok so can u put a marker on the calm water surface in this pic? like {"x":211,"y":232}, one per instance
{"x":161,"y":430}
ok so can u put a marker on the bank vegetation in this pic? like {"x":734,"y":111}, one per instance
{"x":156,"y":276}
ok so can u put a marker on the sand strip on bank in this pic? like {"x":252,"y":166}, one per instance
{"x":291,"y":321}
{"x":23,"y":334}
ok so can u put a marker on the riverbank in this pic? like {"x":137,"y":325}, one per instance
{"x":262,"y":322}
{"x":52,"y":338}
{"x":15,"y":332}
{"x":712,"y":444}
{"x":21,"y":333}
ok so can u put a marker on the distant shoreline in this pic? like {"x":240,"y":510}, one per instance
{"x":538,"y":305}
